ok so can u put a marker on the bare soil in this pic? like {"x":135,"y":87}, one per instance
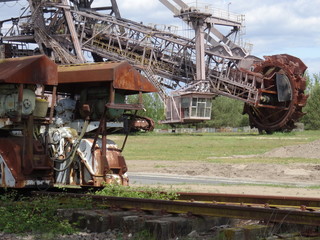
{"x":280,"y":177}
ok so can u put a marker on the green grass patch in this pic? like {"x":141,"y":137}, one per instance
{"x":37,"y":215}
{"x":138,"y":192}
{"x":159,"y":166}
{"x":207,"y":146}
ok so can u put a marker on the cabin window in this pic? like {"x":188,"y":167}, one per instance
{"x":194,"y":107}
{"x":188,"y":108}
{"x":185,"y":107}
{"x":201,"y":107}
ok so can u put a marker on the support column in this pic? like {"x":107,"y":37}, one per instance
{"x":73,"y":32}
{"x":200,"y":52}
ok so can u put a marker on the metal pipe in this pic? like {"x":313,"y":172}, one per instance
{"x":53,"y":103}
{"x":20,"y":99}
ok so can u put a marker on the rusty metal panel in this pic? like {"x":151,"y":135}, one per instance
{"x":122,"y":74}
{"x":28,"y":70}
{"x":128,"y":78}
{"x":5,"y":51}
{"x":89,"y":72}
{"x":10,"y":150}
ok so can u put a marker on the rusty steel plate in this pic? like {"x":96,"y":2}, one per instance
{"x":28,"y":70}
{"x":122,"y":74}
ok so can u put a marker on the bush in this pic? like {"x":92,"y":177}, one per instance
{"x":312,"y":108}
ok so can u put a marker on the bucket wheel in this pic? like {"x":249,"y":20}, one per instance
{"x":281,"y":94}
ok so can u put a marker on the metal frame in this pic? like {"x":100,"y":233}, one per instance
{"x":171,"y":62}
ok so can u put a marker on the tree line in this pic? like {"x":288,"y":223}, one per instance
{"x":311,"y":119}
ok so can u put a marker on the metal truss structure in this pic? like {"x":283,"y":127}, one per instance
{"x":207,"y":65}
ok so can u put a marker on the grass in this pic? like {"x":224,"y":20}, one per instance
{"x":138,"y":192}
{"x":211,"y":147}
{"x":37,"y":215}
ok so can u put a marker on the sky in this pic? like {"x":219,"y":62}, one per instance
{"x":272,"y":26}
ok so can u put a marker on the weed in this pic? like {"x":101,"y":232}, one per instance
{"x":36,"y":215}
{"x":159,"y":166}
{"x":144,"y":235}
{"x":138,"y":192}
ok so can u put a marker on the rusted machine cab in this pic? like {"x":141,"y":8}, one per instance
{"x":54,"y":121}
{"x":24,"y":161}
{"x":97,"y":96}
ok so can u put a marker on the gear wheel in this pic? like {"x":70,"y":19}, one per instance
{"x":281,"y":94}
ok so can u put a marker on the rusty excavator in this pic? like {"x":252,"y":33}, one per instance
{"x":85,"y":102}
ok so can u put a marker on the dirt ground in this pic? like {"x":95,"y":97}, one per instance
{"x":281,"y":178}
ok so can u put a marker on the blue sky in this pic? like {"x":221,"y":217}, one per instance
{"x":272,"y":26}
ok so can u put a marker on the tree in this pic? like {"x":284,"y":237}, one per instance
{"x":312,"y":108}
{"x":153,"y":106}
{"x":227,"y":112}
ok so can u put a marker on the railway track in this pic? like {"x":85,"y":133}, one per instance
{"x":274,"y":209}
{"x":258,"y":200}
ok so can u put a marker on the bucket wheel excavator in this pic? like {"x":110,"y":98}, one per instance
{"x":283,"y":79}
{"x":188,"y":71}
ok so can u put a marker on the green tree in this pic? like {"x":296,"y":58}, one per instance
{"x":312,"y":108}
{"x":227,"y":112}
{"x":153,"y":106}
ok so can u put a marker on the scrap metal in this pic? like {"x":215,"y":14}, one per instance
{"x":55,"y":121}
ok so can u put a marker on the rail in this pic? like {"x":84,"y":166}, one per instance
{"x":282,"y":213}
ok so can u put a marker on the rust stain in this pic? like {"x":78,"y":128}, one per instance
{"x":128,"y":78}
{"x":122,"y":74}
{"x":29,"y":70}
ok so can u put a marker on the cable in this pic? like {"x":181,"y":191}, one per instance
{"x":66,"y":158}
{"x":129,"y":129}
{"x":74,"y":150}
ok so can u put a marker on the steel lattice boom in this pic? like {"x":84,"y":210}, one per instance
{"x":196,"y":69}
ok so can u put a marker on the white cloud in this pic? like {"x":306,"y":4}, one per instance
{"x":140,"y":5}
{"x":145,"y":11}
{"x":283,"y":26}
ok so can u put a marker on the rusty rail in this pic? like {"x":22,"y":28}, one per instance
{"x":251,"y":199}
{"x":267,"y":214}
